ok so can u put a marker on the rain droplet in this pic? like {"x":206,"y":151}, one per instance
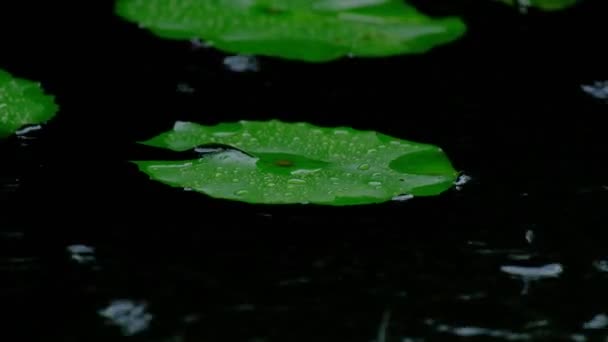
{"x":241,"y":63}
{"x":235,"y":180}
{"x":376,"y":175}
{"x":374,"y":183}
{"x":545,"y":271}
{"x":296,"y":181}
{"x":373,"y":150}
{"x":241,"y":192}
{"x":363,"y":167}
{"x":218,"y":175}
{"x":462,"y":180}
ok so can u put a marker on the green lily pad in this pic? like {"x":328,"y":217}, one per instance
{"x":22,"y":102}
{"x":280,"y":163}
{"x":309,"y":30}
{"x":547,"y":5}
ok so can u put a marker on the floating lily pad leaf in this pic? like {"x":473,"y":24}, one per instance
{"x":309,"y":30}
{"x":22,"y":102}
{"x":547,"y":5}
{"x":274,"y":162}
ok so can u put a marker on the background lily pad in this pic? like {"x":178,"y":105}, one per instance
{"x":276,"y":162}
{"x":22,"y":102}
{"x":310,"y":30}
{"x":547,"y":5}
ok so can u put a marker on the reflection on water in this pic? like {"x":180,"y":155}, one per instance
{"x":504,"y":335}
{"x":599,"y":89}
{"x":534,"y":273}
{"x":243,"y":290}
{"x":530,"y":273}
{"x":9,"y":184}
{"x":185,"y":88}
{"x":82,"y":254}
{"x":22,"y":133}
{"x":601,"y":265}
{"x":131,"y":317}
{"x":470,"y":331}
{"x":599,"y":321}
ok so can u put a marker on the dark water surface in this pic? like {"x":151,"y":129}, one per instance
{"x":91,"y":250}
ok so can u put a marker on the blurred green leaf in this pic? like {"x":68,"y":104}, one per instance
{"x":309,"y":30}
{"x":22,"y":102}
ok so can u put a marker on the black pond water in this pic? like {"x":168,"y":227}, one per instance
{"x":91,"y":250}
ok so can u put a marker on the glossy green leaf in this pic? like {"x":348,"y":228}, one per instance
{"x":22,"y":102}
{"x":547,"y":5}
{"x":310,"y":30}
{"x":279,"y":163}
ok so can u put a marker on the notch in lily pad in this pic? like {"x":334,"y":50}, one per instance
{"x":307,"y":30}
{"x":23,"y":102}
{"x":274,"y":162}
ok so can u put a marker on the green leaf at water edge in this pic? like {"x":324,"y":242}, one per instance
{"x":309,"y":30}
{"x":22,"y":102}
{"x":280,"y":163}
